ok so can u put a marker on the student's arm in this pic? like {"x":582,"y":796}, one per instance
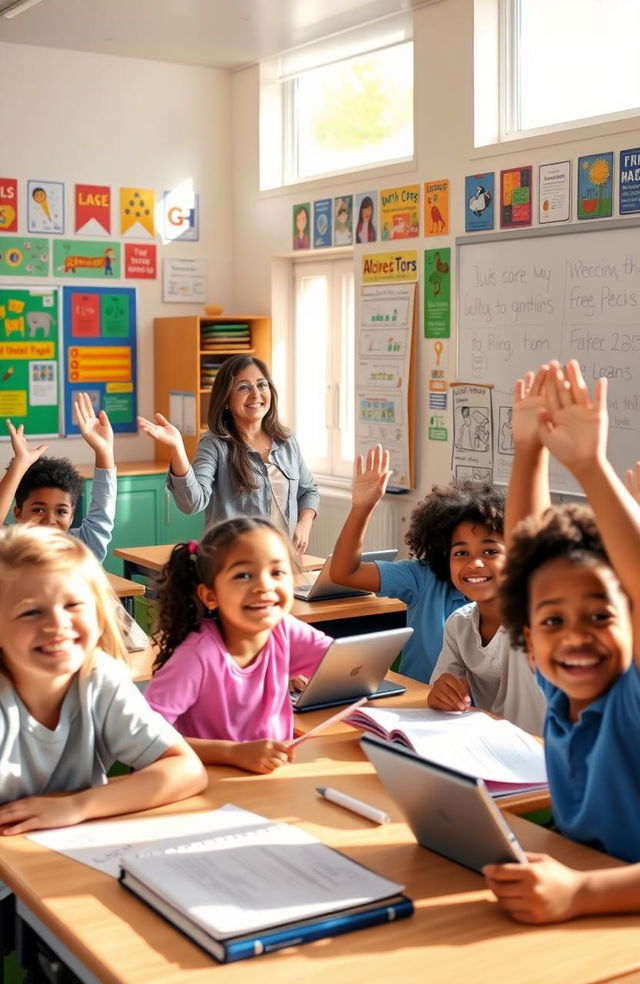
{"x":176,"y":774}
{"x":302,"y":530}
{"x":165,"y":433}
{"x":96,"y":528}
{"x":528,"y":493}
{"x":369,"y":484}
{"x":260,"y":756}
{"x":632,"y":481}
{"x":574,"y":427}
{"x":96,"y":431}
{"x":23,"y":458}
{"x":545,"y":891}
{"x":449,"y":686}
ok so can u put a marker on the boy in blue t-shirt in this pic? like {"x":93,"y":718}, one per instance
{"x":571,"y":593}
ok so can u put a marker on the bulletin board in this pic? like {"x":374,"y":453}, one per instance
{"x":100,"y":353}
{"x":29,"y":354}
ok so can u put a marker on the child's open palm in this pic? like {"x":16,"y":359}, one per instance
{"x":528,"y":400}
{"x":21,"y":450}
{"x":96,"y":431}
{"x":371,"y":477}
{"x":573,"y":425}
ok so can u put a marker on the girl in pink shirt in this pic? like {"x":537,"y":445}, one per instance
{"x":228,"y":646}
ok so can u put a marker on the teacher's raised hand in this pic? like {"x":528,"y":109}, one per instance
{"x":161,"y":430}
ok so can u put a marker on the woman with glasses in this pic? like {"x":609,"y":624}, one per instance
{"x":248,"y":463}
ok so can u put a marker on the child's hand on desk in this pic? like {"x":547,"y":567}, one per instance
{"x":41,"y":812}
{"x":260,"y":756}
{"x":542,"y":891}
{"x":298,"y":683}
{"x":449,"y":693}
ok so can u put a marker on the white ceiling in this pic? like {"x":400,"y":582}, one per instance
{"x":220,"y":33}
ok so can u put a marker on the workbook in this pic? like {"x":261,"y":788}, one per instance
{"x":258,"y":886}
{"x":506,"y":757}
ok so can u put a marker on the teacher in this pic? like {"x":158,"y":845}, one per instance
{"x":248,"y":463}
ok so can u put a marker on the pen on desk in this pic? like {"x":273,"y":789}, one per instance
{"x":355,"y":805}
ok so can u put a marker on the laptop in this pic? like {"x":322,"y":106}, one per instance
{"x":449,"y":813}
{"x":352,"y":667}
{"x":318,"y":584}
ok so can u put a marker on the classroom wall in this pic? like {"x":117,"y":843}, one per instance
{"x":443,"y":40}
{"x":75,"y":117}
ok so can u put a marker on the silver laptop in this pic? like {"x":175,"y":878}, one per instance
{"x":318,"y":584}
{"x":352,"y":667}
{"x":448,"y":812}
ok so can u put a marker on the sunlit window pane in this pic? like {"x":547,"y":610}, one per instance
{"x":312,"y":326}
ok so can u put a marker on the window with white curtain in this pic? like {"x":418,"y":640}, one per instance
{"x":323,"y":369}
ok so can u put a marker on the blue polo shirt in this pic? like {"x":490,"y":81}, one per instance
{"x":429,"y":602}
{"x":594,"y":766}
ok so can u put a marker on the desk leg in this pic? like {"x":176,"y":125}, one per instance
{"x":26,"y":944}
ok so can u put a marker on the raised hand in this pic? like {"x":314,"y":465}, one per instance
{"x":371,"y":477}
{"x":22,"y":453}
{"x":96,"y":431}
{"x":161,"y":430}
{"x":573,"y":424}
{"x":528,"y":400}
{"x":632,"y":481}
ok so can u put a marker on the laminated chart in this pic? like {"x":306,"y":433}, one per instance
{"x":100,"y":353}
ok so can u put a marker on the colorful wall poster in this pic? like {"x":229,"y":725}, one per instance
{"x":554,"y":192}
{"x":629,"y":181}
{"x":100,"y":355}
{"x":400,"y":212}
{"x":45,"y":207}
{"x":595,"y":186}
{"x":29,"y":359}
{"x":380,"y":267}
{"x":301,"y":225}
{"x":140,"y":261}
{"x":181,"y":215}
{"x":322,"y":228}
{"x":516,"y":198}
{"x":437,"y":293}
{"x":81,"y":259}
{"x":343,"y":220}
{"x":137,"y":210}
{"x":366,"y":218}
{"x":478,"y":197}
{"x":8,"y":205}
{"x":184,"y":281}
{"x":436,"y":208}
{"x":93,"y":210}
{"x":24,"y":256}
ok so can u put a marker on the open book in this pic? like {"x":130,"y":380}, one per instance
{"x":258,"y":886}
{"x":506,"y":757}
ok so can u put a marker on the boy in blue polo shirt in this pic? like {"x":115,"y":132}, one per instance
{"x":571,"y":593}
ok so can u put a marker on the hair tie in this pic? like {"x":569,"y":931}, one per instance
{"x":192,"y":547}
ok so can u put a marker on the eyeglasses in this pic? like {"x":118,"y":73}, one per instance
{"x":245,"y":388}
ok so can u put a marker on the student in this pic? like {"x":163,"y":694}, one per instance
{"x":571,"y":592}
{"x":424,"y":583}
{"x":224,"y":681}
{"x":47,"y":489}
{"x":68,"y":709}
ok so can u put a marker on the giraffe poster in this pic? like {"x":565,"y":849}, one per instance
{"x":436,"y":208}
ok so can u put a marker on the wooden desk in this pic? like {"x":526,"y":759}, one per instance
{"x":125,"y":589}
{"x":456,"y":934}
{"x":150,"y":560}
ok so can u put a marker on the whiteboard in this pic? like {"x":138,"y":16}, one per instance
{"x":571,"y":293}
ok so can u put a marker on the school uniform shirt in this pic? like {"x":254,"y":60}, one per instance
{"x":205,"y":694}
{"x":208,"y":484}
{"x":96,"y":528}
{"x":429,"y":603}
{"x":103,"y":718}
{"x":593,"y":766}
{"x":499,"y":677}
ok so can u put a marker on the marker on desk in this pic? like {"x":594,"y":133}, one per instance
{"x":355,"y":805}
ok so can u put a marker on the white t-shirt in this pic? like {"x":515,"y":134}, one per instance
{"x":103,"y":718}
{"x":498,"y":675}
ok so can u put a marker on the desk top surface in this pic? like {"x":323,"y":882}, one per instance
{"x":456,"y":934}
{"x":155,"y":556}
{"x":123,"y":587}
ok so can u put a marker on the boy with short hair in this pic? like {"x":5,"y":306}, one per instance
{"x":47,"y":489}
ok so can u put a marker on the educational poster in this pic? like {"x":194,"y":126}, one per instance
{"x":322,"y":228}
{"x":8,"y":205}
{"x":595,"y":186}
{"x":366,"y":218}
{"x":99,"y":354}
{"x":140,"y":261}
{"x":383,"y":415}
{"x":45,"y":207}
{"x":437,"y":293}
{"x":400,"y":212}
{"x":436,"y":208}
{"x":478,"y":195}
{"x":472,"y":453}
{"x":343,"y":220}
{"x":181,"y":215}
{"x":301,"y":225}
{"x":78,"y":258}
{"x":184,"y":281}
{"x":92,"y":210}
{"x":24,"y":256}
{"x":137,"y":211}
{"x":29,"y":383}
{"x":554,"y":192}
{"x":629,"y":181}
{"x":383,"y":267}
{"x":516,"y":204}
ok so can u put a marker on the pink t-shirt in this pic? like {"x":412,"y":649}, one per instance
{"x":203,"y":692}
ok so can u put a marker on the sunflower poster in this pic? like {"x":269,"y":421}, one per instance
{"x":595,"y":186}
